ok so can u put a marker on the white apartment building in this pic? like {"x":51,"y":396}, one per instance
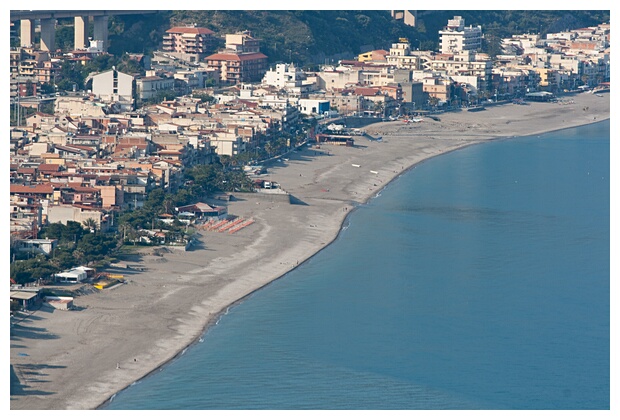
{"x":400,"y":56}
{"x":112,"y":86}
{"x":313,"y":106}
{"x":284,"y":76}
{"x":227,"y":143}
{"x":77,"y":107}
{"x":331,"y":79}
{"x":523,"y":44}
{"x":466,"y":66}
{"x":149,"y":86}
{"x":455,"y":37}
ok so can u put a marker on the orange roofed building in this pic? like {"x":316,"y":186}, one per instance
{"x":189,"y":43}
{"x":239,"y":67}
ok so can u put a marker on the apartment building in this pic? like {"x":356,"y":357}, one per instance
{"x":149,"y":86}
{"x":332,"y":79}
{"x":237,"y":68}
{"x":113,"y":86}
{"x":284,"y":76}
{"x":400,"y":55}
{"x":464,"y":65}
{"x":189,"y":43}
{"x":241,"y":61}
{"x":455,"y":37}
{"x":242,"y":42}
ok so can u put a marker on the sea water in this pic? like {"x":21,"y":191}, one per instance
{"x":480,"y":279}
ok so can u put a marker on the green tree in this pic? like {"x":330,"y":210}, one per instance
{"x":20,"y":272}
{"x":70,"y":73}
{"x":94,"y":246}
{"x":205,"y":98}
{"x":64,"y":38}
{"x":63,"y":258}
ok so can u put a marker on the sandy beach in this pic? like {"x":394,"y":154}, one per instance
{"x":78,"y":359}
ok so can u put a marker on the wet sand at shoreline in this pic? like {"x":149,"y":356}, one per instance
{"x":69,"y":359}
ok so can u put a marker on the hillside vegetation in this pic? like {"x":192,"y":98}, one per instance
{"x":316,"y":36}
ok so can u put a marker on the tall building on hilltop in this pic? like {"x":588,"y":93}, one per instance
{"x":455,"y":37}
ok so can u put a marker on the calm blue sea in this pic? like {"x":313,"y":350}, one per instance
{"x":478,"y":280}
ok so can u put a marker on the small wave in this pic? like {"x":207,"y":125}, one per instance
{"x":183,"y":352}
{"x":135,"y":383}
{"x":112,"y":397}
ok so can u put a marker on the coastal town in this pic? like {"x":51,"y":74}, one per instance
{"x":161,"y":157}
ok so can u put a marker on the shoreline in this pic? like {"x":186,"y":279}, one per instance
{"x":334,"y":192}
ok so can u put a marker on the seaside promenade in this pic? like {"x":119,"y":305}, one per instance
{"x":78,"y":359}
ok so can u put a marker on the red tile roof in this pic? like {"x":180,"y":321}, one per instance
{"x":32,"y":189}
{"x":189,"y":30}
{"x":236,"y":57}
{"x":49,"y":167}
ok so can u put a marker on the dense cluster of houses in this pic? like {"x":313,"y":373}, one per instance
{"x":99,"y":152}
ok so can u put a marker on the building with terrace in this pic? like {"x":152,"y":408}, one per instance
{"x":189,"y":43}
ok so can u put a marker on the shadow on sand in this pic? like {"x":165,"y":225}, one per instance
{"x":32,"y":374}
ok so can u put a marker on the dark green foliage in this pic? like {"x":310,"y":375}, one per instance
{"x":94,"y":247}
{"x":47,"y":108}
{"x":314,"y":36}
{"x":76,"y":247}
{"x":137,"y":33}
{"x":71,"y":232}
{"x":160,"y":96}
{"x":64,"y":37}
{"x":203,"y":97}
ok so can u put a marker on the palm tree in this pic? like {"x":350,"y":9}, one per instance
{"x":91,"y":224}
{"x":269,"y":148}
{"x":168,"y":204}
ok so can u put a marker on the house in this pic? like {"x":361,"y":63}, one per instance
{"x":38,"y":191}
{"x":38,"y":246}
{"x":26,"y":298}
{"x":149,"y":86}
{"x":62,"y":213}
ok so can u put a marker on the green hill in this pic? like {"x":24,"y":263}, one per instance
{"x":315,"y":36}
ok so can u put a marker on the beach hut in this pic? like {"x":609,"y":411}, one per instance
{"x":74,"y":275}
{"x":26,"y":299}
{"x":64,"y":303}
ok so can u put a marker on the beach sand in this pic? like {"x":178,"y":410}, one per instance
{"x":78,"y":359}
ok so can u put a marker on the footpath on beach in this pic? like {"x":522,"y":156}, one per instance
{"x":79,"y":359}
